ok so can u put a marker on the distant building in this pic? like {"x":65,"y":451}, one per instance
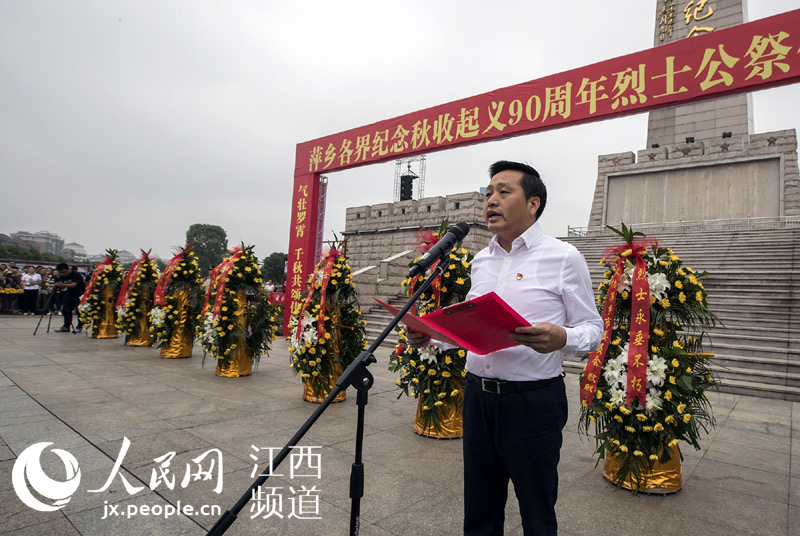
{"x":45,"y":241}
{"x":125,"y":257}
{"x":6,"y":240}
{"x":75,"y":250}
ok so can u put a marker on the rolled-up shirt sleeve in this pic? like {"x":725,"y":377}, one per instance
{"x":584,"y":326}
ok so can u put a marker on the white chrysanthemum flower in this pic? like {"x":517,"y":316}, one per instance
{"x":121,"y":310}
{"x":308,"y":330}
{"x":613,"y":372}
{"x":627,"y":276}
{"x":86,"y":308}
{"x":617,"y":396}
{"x":429,"y":352}
{"x":653,"y":401}
{"x":658,"y":285}
{"x":657,"y":370}
{"x":157,"y":316}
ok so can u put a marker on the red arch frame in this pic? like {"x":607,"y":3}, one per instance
{"x":707,"y":66}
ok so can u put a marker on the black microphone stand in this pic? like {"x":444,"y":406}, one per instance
{"x":361,"y":379}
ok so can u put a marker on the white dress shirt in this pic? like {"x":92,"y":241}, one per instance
{"x":546,"y":281}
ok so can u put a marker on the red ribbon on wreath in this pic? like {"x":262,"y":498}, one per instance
{"x":219,"y":279}
{"x":327,"y":270}
{"x":130,"y":277}
{"x":160,"y":296}
{"x":98,"y":269}
{"x":639,"y":334}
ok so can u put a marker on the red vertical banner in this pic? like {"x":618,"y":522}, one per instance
{"x":303,"y":240}
{"x":638,"y":344}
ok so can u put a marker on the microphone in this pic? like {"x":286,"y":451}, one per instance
{"x":443,"y":247}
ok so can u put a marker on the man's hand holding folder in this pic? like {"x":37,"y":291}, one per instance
{"x":544,"y":338}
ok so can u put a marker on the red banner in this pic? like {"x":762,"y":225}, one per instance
{"x":594,"y":365}
{"x":98,"y":269}
{"x":160,"y":297}
{"x":638,"y":341}
{"x":326,"y":275}
{"x":302,"y":241}
{"x":747,"y":57}
{"x":218,"y":281}
{"x":130,"y":278}
{"x":639,"y":334}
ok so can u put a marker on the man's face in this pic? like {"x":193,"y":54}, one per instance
{"x":63,"y":273}
{"x":508,"y":214}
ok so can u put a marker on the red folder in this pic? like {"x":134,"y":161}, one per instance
{"x":481,"y":325}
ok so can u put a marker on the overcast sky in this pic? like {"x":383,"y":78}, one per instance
{"x":124,"y":122}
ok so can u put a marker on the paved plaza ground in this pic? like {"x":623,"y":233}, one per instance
{"x":85,"y":396}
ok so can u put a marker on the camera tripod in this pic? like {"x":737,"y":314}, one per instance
{"x":49,"y":308}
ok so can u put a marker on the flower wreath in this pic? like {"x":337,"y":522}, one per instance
{"x":136,"y":294}
{"x":182,"y":272}
{"x":663,"y":357}
{"x":432,"y":374}
{"x":107,"y":273}
{"x":326,"y":329}
{"x":219,"y":331}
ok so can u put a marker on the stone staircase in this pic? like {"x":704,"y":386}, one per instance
{"x":382,"y":280}
{"x":753,"y":288}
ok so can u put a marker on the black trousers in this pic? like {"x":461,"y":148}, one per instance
{"x":30,"y":300}
{"x":68,"y":305}
{"x":516,"y":436}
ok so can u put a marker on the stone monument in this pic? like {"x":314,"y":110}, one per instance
{"x":703,"y":162}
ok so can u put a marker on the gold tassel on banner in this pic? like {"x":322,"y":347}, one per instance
{"x":240,"y":362}
{"x":106,"y":327}
{"x":448,"y":415}
{"x":663,"y":479}
{"x":182,"y":337}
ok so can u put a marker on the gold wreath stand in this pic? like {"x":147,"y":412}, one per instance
{"x":665,"y":478}
{"x":336,"y":370}
{"x":449,"y":416}
{"x":181,"y":336}
{"x":240,"y":362}
{"x":330,"y":383}
{"x":106,"y":326}
{"x":140,"y":336}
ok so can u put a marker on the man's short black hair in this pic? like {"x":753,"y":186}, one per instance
{"x":62,"y":266}
{"x":532,"y":183}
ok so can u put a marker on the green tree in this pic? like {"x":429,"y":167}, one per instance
{"x":209,"y":243}
{"x":27,"y":254}
{"x":272,"y":268}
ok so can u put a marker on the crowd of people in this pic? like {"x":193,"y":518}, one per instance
{"x":29,"y":290}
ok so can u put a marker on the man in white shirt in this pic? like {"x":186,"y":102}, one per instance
{"x":515,"y":405}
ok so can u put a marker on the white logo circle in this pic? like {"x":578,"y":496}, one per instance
{"x":28,"y":470}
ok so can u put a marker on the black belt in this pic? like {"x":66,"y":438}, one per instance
{"x":501,"y":387}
